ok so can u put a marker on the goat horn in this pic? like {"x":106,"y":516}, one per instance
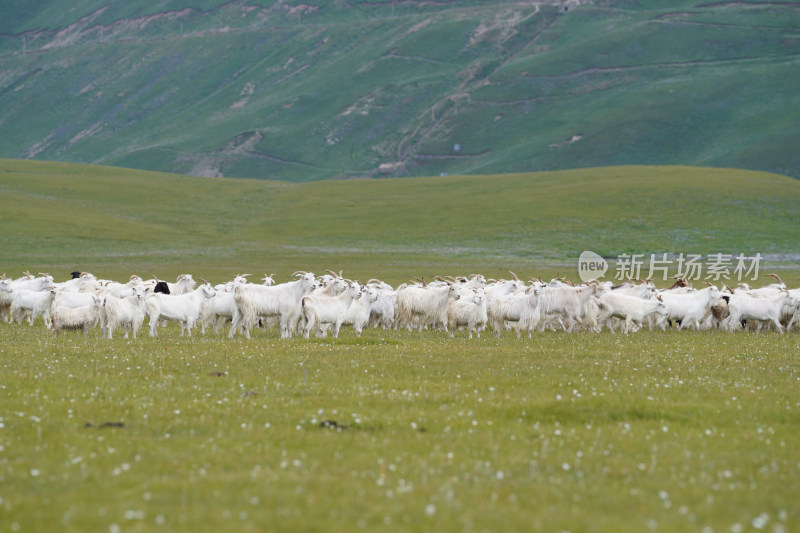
{"x":244,"y":275}
{"x":299,"y":273}
{"x":708,"y":283}
{"x":440,"y":278}
{"x":512,"y":275}
{"x":373,"y":280}
{"x":450,"y":278}
{"x":474,"y":275}
{"x":332,"y":273}
{"x":204,"y":281}
{"x":777,"y":278}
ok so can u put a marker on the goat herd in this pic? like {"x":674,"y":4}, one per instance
{"x":318,"y":304}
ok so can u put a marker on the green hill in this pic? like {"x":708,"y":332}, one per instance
{"x":367,"y":88}
{"x":58,"y":217}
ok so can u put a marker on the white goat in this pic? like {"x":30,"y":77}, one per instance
{"x":358,"y":314}
{"x":6,"y":291}
{"x":127,"y":312}
{"x":688,"y":308}
{"x":745,"y":307}
{"x":428,"y":306}
{"x":633,"y":310}
{"x":283,"y":300}
{"x":83,"y":318}
{"x":35,"y":284}
{"x":218,"y":310}
{"x":519,"y":308}
{"x":121,"y":290}
{"x":32,"y":303}
{"x":468,"y":312}
{"x":182,"y":308}
{"x":75,"y":284}
{"x":319,"y":309}
{"x":73,"y":299}
{"x":565,"y":304}
{"x":184,"y":284}
{"x":382,"y":312}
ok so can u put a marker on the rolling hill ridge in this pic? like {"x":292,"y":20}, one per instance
{"x":298,"y":92}
{"x":61,"y":217}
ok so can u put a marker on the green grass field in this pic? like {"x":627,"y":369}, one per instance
{"x":664,"y":431}
{"x":676,"y":431}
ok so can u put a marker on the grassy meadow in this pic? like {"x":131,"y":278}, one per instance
{"x":675,"y":431}
{"x":663,"y":431}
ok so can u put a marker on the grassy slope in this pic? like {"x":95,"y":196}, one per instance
{"x":58,"y":217}
{"x":307,"y":95}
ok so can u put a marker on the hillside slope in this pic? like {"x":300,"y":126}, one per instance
{"x":59,"y":217}
{"x":284,"y":90}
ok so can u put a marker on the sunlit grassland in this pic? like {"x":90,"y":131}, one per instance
{"x":670,"y":431}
